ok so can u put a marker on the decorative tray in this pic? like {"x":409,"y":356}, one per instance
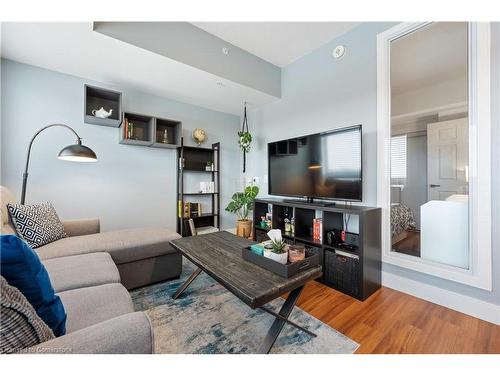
{"x":284,"y":270}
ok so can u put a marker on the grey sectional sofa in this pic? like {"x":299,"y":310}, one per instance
{"x":91,"y":272}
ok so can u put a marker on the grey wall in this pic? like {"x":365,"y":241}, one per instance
{"x":319,"y":93}
{"x":129,"y":186}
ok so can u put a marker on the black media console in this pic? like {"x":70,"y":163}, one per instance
{"x":351,"y":263}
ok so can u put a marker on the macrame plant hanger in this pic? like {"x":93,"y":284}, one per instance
{"x":244,"y":130}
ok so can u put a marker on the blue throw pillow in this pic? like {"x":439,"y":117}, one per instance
{"x":21,"y":267}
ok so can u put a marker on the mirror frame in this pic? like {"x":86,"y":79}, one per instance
{"x":479,"y":273}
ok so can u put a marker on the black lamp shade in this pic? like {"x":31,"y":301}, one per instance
{"x":78,"y":153}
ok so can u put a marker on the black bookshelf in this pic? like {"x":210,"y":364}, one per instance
{"x":354,"y":270}
{"x":193,"y":160}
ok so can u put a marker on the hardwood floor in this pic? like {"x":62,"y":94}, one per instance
{"x":409,"y":245}
{"x":393,"y":322}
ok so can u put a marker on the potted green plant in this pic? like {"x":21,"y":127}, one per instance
{"x":244,"y":140}
{"x":241,"y":204}
{"x":278,"y":250}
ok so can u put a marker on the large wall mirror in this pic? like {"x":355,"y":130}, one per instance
{"x":434,"y":164}
{"x":430,"y":143}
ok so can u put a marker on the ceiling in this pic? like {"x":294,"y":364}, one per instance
{"x":433,"y":54}
{"x":74,"y":48}
{"x":279,"y":43}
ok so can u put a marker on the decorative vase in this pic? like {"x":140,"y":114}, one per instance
{"x":280,"y":258}
{"x":244,"y":228}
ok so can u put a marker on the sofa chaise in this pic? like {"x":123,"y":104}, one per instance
{"x":91,"y":272}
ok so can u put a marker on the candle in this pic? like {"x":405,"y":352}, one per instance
{"x":296,"y":253}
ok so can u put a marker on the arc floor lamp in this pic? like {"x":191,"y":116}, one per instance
{"x":76,"y":152}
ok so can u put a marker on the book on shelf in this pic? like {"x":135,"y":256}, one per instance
{"x":194,"y":209}
{"x":189,"y":209}
{"x":317,"y":229}
{"x":125,"y":128}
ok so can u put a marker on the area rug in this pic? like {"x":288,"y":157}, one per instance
{"x":207,"y":319}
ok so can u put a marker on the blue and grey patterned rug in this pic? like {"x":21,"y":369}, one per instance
{"x":209,"y":319}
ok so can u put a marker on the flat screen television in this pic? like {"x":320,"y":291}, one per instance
{"x":324,"y":166}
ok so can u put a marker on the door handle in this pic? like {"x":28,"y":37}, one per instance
{"x":434,"y":185}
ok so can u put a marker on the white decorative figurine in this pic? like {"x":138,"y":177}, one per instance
{"x":102,"y":113}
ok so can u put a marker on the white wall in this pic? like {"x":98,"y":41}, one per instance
{"x":320,"y":93}
{"x":439,"y":95}
{"x":129,"y":186}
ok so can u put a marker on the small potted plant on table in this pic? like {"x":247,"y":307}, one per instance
{"x":241,"y":204}
{"x":278,"y":249}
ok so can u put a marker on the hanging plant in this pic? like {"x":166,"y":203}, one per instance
{"x":244,"y":138}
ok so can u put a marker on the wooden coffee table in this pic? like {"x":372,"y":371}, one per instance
{"x":219,"y":255}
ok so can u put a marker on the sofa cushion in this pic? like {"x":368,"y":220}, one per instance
{"x":37,"y":224}
{"x":6,"y":197}
{"x":80,"y":271}
{"x":127,"y":245}
{"x":23,"y":270}
{"x":88,"y":306}
{"x":81,"y":227}
{"x":126,"y":334}
{"x":20,"y":326}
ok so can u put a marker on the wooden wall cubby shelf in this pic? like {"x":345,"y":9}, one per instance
{"x":353,"y":272}
{"x":150,"y":131}
{"x":95,"y":98}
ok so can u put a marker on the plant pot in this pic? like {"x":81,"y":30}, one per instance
{"x":244,"y":228}
{"x":280,"y":258}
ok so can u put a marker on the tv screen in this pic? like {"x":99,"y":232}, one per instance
{"x":325,"y":165}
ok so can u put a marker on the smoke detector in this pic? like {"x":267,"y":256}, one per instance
{"x":339,"y":52}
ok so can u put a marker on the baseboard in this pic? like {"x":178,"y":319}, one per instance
{"x":471,"y":306}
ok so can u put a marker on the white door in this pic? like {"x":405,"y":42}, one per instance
{"x":447,"y":158}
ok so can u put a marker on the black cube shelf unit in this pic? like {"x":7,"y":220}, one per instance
{"x":97,"y":97}
{"x":144,"y":130}
{"x":136,"y":129}
{"x":167,"y":133}
{"x":357,"y":271}
{"x":193,"y":160}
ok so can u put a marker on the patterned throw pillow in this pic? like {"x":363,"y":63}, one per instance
{"x":37,"y":224}
{"x":20,"y":326}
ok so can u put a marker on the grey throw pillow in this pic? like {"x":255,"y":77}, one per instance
{"x":37,"y":224}
{"x":20,"y":326}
